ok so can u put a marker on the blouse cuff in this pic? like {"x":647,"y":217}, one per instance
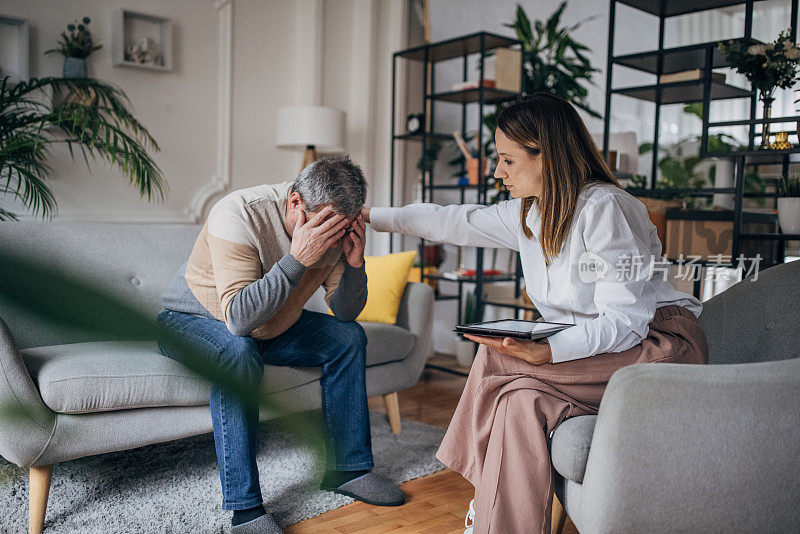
{"x":382,"y":219}
{"x":569,"y":344}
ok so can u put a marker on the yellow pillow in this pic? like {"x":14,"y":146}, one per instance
{"x":386,"y":282}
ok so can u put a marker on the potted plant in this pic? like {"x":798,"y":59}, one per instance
{"x":31,"y":126}
{"x":789,"y":205}
{"x":75,"y":46}
{"x":465,"y":349}
{"x":766,"y":66}
{"x":553,"y":61}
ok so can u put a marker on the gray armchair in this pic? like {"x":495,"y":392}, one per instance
{"x":689,"y":448}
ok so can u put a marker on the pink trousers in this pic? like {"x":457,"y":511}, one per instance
{"x":498,"y":436}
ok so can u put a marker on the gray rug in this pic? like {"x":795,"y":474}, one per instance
{"x":174,"y":487}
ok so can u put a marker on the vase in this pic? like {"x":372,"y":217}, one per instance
{"x":781,"y":142}
{"x":767,"y":99}
{"x":723,"y":177}
{"x":789,"y":214}
{"x":74,"y":67}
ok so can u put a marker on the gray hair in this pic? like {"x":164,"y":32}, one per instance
{"x":333,"y":180}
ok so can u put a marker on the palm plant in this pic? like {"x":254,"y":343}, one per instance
{"x":96,"y":118}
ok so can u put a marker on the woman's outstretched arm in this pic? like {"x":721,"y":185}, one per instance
{"x":495,"y":226}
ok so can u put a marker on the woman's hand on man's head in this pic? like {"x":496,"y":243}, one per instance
{"x":365,"y":213}
{"x":535,"y":352}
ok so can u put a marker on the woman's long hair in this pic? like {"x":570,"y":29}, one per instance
{"x":548,"y":125}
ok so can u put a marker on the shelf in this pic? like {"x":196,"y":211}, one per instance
{"x":683,"y":92}
{"x":445,"y":297}
{"x":674,"y":8}
{"x":771,"y":237}
{"x":132,"y":28}
{"x":675,"y":59}
{"x":454,"y":186}
{"x":666,"y":192}
{"x":14,"y":34}
{"x":458,"y":47}
{"x":679,"y":214}
{"x":490,"y":95}
{"x":471,"y":279}
{"x":516,"y":303}
{"x":755,"y":153}
{"x":748,"y":122}
{"x":419,"y":136}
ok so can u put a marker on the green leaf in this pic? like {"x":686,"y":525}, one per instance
{"x":126,"y":145}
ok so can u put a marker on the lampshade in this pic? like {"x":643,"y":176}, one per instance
{"x":302,"y":126}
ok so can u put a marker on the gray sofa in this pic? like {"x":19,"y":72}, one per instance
{"x":716,"y":448}
{"x":88,"y":396}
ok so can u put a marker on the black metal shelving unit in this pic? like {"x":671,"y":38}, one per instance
{"x":707,"y":57}
{"x":427,"y":56}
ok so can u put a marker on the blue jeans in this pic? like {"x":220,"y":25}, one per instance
{"x":315,"y":340}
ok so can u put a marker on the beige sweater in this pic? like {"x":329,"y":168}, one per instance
{"x":243,"y":238}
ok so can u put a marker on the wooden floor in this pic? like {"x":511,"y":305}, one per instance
{"x":436,"y":504}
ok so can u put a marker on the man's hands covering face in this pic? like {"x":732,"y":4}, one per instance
{"x":311,"y":239}
{"x":353,"y":242}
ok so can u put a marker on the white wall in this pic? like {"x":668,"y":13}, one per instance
{"x":235,"y":63}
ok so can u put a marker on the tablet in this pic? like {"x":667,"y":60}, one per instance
{"x":513,"y":328}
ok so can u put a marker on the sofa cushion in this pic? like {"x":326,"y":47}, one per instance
{"x":569,"y":448}
{"x":387,"y":343}
{"x":117,"y":375}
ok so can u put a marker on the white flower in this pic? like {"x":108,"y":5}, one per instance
{"x":757,"y":49}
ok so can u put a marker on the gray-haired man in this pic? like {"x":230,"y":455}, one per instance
{"x":261,"y":254}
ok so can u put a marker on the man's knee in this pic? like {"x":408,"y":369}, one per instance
{"x":353,"y":335}
{"x":242,"y":359}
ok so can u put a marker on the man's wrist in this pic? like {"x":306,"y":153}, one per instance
{"x":361,"y":266}
{"x":293,"y":268}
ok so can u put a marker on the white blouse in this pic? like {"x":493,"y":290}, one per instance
{"x":608,"y":279}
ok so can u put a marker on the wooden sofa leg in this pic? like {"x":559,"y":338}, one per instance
{"x":559,"y":517}
{"x":38,"y":491}
{"x":393,"y":411}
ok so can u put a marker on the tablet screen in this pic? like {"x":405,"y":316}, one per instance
{"x":520,"y":326}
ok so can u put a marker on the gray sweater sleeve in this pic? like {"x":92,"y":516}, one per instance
{"x":351,"y":294}
{"x":258,"y":302}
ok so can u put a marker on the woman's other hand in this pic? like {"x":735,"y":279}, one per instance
{"x":535,"y":352}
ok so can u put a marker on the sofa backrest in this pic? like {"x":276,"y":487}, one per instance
{"x":136,"y":261}
{"x":756,"y":321}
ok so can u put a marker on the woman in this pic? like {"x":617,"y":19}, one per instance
{"x":587,"y":249}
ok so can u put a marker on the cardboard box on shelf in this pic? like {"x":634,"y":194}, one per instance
{"x":505,"y":68}
{"x":707,"y":233}
{"x":508,"y":69}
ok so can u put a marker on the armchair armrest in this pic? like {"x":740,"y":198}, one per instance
{"x":416,"y":314}
{"x":26,"y":423}
{"x":695,"y":448}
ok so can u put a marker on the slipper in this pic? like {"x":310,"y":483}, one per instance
{"x":371,"y":489}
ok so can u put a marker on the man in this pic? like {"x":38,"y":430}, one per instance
{"x":261,"y":254}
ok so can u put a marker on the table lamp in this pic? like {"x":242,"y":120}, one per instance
{"x":310,"y":128}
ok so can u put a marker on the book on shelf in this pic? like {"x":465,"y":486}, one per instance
{"x":688,"y":75}
{"x":469,"y":274}
{"x":463,"y":86}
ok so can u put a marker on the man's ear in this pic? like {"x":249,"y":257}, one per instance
{"x":296,"y":201}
